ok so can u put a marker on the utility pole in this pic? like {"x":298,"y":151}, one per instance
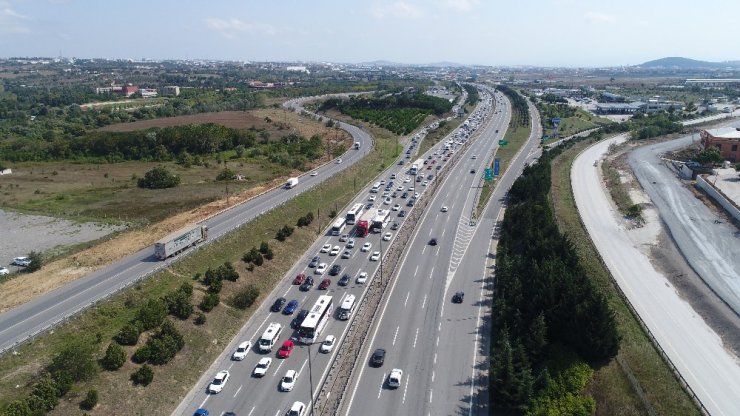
{"x":310,"y":379}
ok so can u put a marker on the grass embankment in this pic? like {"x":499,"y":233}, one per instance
{"x":438,"y":134}
{"x":610,"y":385}
{"x":203,"y":343}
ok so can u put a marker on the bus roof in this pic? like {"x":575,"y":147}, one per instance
{"x":318,"y":308}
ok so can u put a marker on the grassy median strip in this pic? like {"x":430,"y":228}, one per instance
{"x":611,"y":386}
{"x":172,"y":381}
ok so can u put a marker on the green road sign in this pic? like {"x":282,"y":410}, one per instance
{"x":503,"y":142}
{"x":488,"y":176}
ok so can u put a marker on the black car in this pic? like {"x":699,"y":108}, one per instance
{"x":394,"y":226}
{"x":279,"y":302}
{"x":394,"y":194}
{"x":307,"y":285}
{"x":378,"y":358}
{"x":335,"y":269}
{"x":344,"y":280}
{"x":458,"y":297}
{"x":411,"y":202}
{"x":402,"y":213}
{"x":430,"y":176}
{"x":404,"y":195}
{"x":314,"y":261}
{"x":472,"y":170}
{"x":298,"y":320}
{"x":433,"y":242}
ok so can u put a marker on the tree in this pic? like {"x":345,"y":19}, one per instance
{"x":143,"y":376}
{"x":158,"y":178}
{"x":151,"y":314}
{"x":709,"y":156}
{"x":264,"y":247}
{"x":226,"y":175}
{"x":18,"y":408}
{"x":76,"y":359}
{"x":114,"y":357}
{"x":45,"y":393}
{"x":90,"y":401}
{"x":245,"y":297}
{"x":129,"y":334}
{"x":36,"y":261}
{"x":209,"y":302}
{"x":179,"y":302}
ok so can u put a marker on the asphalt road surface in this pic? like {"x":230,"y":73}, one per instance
{"x":26,"y":321}
{"x":697,"y":352}
{"x":260,"y":396}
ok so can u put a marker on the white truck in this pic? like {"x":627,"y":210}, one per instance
{"x":357,"y":145}
{"x":179,"y":241}
{"x":291,"y":183}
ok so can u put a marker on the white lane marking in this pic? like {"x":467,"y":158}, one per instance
{"x":435,"y":358}
{"x":206,"y":399}
{"x":252,"y":411}
{"x":277,"y":370}
{"x":438,"y":340}
{"x":416,"y":337}
{"x":238,"y":390}
{"x":259,"y":327}
{"x":395,"y":335}
{"x":417,"y":268}
{"x":424,"y":303}
{"x":405,"y":388}
{"x":232,"y":364}
{"x":423,"y":249}
{"x":278,"y":412}
{"x":439,"y":327}
{"x":301,"y":370}
{"x":431,"y":393}
{"x":431,"y":273}
{"x":286,"y":292}
{"x":407,"y":299}
{"x":382,"y":380}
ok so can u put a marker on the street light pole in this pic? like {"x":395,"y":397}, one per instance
{"x":310,"y":379}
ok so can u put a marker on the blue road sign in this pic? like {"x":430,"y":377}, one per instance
{"x":496,"y":167}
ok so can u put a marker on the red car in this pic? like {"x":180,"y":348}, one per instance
{"x":325,"y":284}
{"x":299,"y":279}
{"x":286,"y":349}
{"x":429,"y":167}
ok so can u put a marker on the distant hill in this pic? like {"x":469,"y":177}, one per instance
{"x":433,"y":64}
{"x":686,"y":63}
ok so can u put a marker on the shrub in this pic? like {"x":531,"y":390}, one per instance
{"x":269,"y":255}
{"x":36,"y":261}
{"x":209,"y":302}
{"x":226,"y":175}
{"x":114,"y":357}
{"x":143,"y":375}
{"x":264,"y":247}
{"x":91,"y":399}
{"x":158,"y":178}
{"x":245,"y":297}
{"x":228,"y":272}
{"x":216,"y":286}
{"x":76,"y":360}
{"x":45,"y":395}
{"x":200,"y":318}
{"x":142,"y":354}
{"x":63,"y":381}
{"x":151,"y":314}
{"x":18,"y":408}
{"x":179,"y":303}
{"x":258,"y":260}
{"x":129,"y":334}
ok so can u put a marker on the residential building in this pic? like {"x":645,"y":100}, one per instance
{"x":129,"y":90}
{"x":726,"y":139}
{"x":171,"y":90}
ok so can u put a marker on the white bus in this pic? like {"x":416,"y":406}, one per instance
{"x":270,"y":337}
{"x":338,"y":226}
{"x":354,"y":214}
{"x":348,"y":306}
{"x":375,"y":188}
{"x":316,"y":320}
{"x":380,"y":220}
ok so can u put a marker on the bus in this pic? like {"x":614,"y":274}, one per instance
{"x":354,"y":214}
{"x":380,"y":221}
{"x":318,"y":316}
{"x":338,"y":226}
{"x":375,"y":188}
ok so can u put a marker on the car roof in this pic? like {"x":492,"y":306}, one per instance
{"x":244,"y":344}
{"x":264,"y":360}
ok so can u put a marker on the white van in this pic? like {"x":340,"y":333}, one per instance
{"x":270,"y":337}
{"x":376,"y":187}
{"x":348,"y":306}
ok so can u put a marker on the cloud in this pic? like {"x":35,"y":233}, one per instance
{"x":598,"y":17}
{"x":399,"y":10}
{"x":229,"y":28}
{"x":11,"y":21}
{"x":461,"y":5}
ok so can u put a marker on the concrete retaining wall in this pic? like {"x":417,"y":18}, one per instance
{"x":718,"y":196}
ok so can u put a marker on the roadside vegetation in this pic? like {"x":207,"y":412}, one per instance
{"x":572,"y":120}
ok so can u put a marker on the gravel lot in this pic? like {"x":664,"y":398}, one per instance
{"x":22,"y":233}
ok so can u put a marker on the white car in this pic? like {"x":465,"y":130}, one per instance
{"x":350,"y":243}
{"x":261,"y":368}
{"x":394,"y":378}
{"x":334,"y":251}
{"x":241,"y":351}
{"x":288,"y":381}
{"x":371,"y":198}
{"x":387,"y":237}
{"x":387,"y":201}
{"x":328,"y":343}
{"x":406,"y":180}
{"x":347,"y":254}
{"x":362,"y":277}
{"x":320,"y":269}
{"x":4,"y":271}
{"x":425,"y":183}
{"x":416,"y":194}
{"x":339,"y":160}
{"x":474,"y":157}
{"x":298,"y":409}
{"x":367,"y":246}
{"x":314,"y":173}
{"x":399,"y":188}
{"x":325,"y":248}
{"x":375,"y":256}
{"x":22,"y":261}
{"x":219,"y":382}
{"x":396,"y":207}
{"x":444,"y":208}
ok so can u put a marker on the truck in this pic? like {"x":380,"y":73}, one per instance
{"x":362,"y":227}
{"x":291,"y":183}
{"x":416,"y":167}
{"x":179,"y":241}
{"x":357,"y":145}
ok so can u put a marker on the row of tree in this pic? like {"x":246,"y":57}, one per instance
{"x":520,"y":109}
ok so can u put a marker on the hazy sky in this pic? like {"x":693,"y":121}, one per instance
{"x":489,"y":32}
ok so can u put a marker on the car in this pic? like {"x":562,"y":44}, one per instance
{"x":472,"y":170}
{"x":201,"y":412}
{"x":307,"y":284}
{"x":429,"y":167}
{"x":444,"y":208}
{"x":279,"y":302}
{"x":396,"y":207}
{"x":314,"y":173}
{"x":416,"y":194}
{"x":372,"y":198}
{"x":394,"y":194}
{"x":458,"y":297}
{"x":262,"y":366}
{"x":369,"y":205}
{"x":433,"y":242}
{"x":434,"y":161}
{"x":21,"y":261}
{"x":425,"y":183}
{"x":387,"y":193}
{"x":402,"y":213}
{"x":404,"y":195}
{"x":218,"y":383}
{"x":430,"y":177}
{"x":399,"y":188}
{"x":335,"y":270}
{"x":394,"y":378}
{"x":346,"y":254}
{"x":393,"y":176}
{"x":325,"y":248}
{"x":394,"y":225}
{"x":474,"y":157}
{"x":290,"y":307}
{"x":362,"y":277}
{"x":298,"y":320}
{"x":387,"y":201}
{"x":378,"y":358}
{"x":366,"y":246}
{"x":350,"y":243}
{"x":285,"y":349}
{"x":321,"y":268}
{"x":339,"y":161}
{"x":387,"y":237}
{"x":334,"y":251}
{"x":382,"y":181}
{"x":328,"y":344}
{"x":400,"y":162}
{"x":297,"y":409}
{"x":299,"y":279}
{"x":439,"y":167}
{"x":241,"y":351}
{"x":344,"y":281}
{"x":406,"y":180}
{"x":343,"y":238}
{"x":375,"y":256}
{"x":314,"y":261}
{"x":288,"y":380}
{"x":408,"y":204}
{"x":325,"y":284}
{"x":426,"y":161}
{"x":4,"y":271}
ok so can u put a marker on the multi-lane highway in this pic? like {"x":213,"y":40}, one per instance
{"x":441,"y":346}
{"x":40,"y":314}
{"x":249,"y":395}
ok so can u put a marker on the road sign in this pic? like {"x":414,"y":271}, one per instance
{"x":503,"y":142}
{"x":556,"y":121}
{"x":496,"y":166}
{"x":488,"y":177}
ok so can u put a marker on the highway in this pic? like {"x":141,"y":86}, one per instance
{"x":711,"y":371}
{"x":41,"y":314}
{"x":248,"y":395}
{"x":442,"y":347}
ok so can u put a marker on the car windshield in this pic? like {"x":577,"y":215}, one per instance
{"x":241,"y":349}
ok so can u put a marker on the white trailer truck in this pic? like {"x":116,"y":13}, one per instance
{"x":179,"y":241}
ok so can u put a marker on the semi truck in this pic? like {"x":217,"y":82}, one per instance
{"x":180,"y":240}
{"x":291,"y":183}
{"x":362,"y":227}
